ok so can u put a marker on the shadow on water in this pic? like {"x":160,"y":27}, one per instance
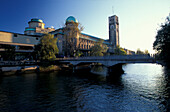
{"x":95,"y":75}
{"x":100,"y":74}
{"x":115,"y":78}
{"x":166,"y":71}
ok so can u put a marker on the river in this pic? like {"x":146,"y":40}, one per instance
{"x":142,"y":88}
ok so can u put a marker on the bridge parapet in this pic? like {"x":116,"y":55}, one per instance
{"x":110,"y":60}
{"x":116,"y":57}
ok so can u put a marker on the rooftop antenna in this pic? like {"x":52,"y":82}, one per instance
{"x":113,"y":10}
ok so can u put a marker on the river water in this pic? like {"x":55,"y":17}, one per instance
{"x":142,"y":88}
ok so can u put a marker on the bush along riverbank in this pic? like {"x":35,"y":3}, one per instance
{"x":49,"y":68}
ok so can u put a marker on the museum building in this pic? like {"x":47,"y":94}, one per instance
{"x":24,"y":43}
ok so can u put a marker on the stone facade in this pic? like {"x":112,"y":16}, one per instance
{"x":114,"y":30}
{"x":15,"y":38}
{"x":37,"y":27}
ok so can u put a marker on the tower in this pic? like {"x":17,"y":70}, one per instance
{"x":71,"y":35}
{"x":71,"y":29}
{"x":114,"y":30}
{"x":36,"y":27}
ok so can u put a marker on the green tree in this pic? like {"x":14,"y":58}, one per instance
{"x":139,"y":51}
{"x":78,"y":53}
{"x":71,"y":35}
{"x":142,"y":52}
{"x":119,"y":51}
{"x":146,"y":52}
{"x":47,"y":48}
{"x":162,"y":41}
{"x":98,"y":49}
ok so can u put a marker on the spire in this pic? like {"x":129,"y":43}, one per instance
{"x":113,"y":10}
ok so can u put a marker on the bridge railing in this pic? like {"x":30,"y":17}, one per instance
{"x":118,"y":57}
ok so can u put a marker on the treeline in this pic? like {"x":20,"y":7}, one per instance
{"x":142,"y":52}
{"x":162,"y":41}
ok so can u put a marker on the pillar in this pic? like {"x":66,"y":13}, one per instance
{"x":115,"y":69}
{"x":74,"y":68}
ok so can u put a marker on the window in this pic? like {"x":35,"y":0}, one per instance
{"x":15,"y":35}
{"x":36,"y":38}
{"x":84,"y":46}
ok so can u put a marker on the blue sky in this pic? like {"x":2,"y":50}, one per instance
{"x":138,"y":19}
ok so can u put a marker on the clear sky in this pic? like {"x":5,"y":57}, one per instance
{"x":138,"y":19}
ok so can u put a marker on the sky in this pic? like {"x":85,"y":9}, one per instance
{"x":139,"y":20}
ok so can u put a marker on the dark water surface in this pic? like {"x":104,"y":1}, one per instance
{"x":142,"y":88}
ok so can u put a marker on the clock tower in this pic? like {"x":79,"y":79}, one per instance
{"x":114,"y":30}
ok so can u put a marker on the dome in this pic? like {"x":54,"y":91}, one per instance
{"x":36,"y":20}
{"x":71,"y":19}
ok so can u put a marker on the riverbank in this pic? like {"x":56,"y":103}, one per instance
{"x":17,"y":70}
{"x":6,"y":71}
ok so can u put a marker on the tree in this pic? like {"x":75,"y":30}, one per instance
{"x":71,"y":35}
{"x":139,"y":51}
{"x":119,"y":51}
{"x":162,"y":41}
{"x":98,"y":49}
{"x":9,"y":53}
{"x":47,"y":48}
{"x":146,"y":52}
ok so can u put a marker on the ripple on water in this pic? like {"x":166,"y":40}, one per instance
{"x":143,"y":88}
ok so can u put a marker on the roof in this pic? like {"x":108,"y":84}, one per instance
{"x":71,"y":19}
{"x":20,"y":34}
{"x":36,"y":20}
{"x":93,"y":38}
{"x":90,"y":36}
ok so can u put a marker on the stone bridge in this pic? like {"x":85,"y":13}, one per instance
{"x":110,"y":60}
{"x":113,"y":63}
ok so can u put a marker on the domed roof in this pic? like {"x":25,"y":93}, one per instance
{"x":36,"y":20}
{"x":71,"y":19}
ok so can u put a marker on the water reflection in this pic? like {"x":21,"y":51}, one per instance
{"x":150,"y":84}
{"x":142,"y":88}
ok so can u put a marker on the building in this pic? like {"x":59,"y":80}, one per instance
{"x":36,"y":27}
{"x":129,"y":52}
{"x":21,"y":43}
{"x":83,"y":41}
{"x":114,"y":30}
{"x":24,"y":43}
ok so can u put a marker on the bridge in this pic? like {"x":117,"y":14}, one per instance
{"x":105,"y":60}
{"x":110,"y":60}
{"x":113,"y":62}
